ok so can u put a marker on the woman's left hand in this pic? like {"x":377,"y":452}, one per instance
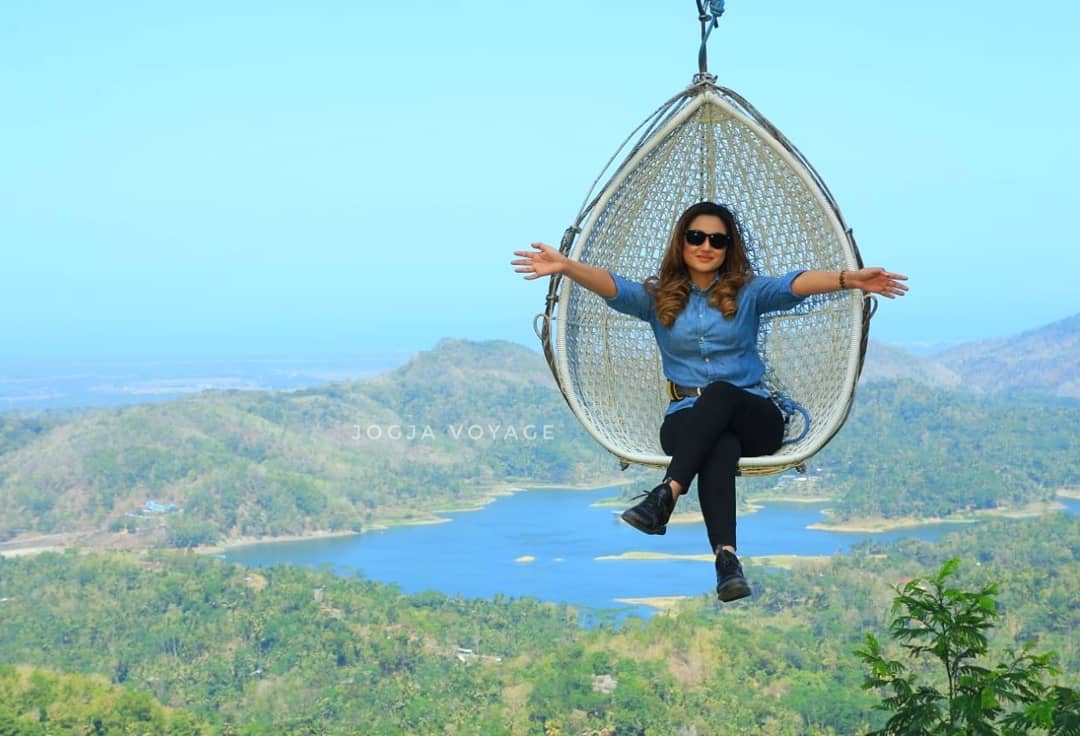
{"x":877,"y":281}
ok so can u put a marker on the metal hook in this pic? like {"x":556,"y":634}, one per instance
{"x":709,"y":19}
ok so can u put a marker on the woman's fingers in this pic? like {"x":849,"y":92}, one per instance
{"x":886,"y":283}
{"x":532,"y":262}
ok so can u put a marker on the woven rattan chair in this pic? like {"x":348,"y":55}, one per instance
{"x":706,"y":143}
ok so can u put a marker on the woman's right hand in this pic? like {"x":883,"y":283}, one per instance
{"x":542,"y":261}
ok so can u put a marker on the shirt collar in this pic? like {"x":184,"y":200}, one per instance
{"x":695,"y":288}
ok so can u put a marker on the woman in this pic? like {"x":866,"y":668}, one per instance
{"x":704,"y":308}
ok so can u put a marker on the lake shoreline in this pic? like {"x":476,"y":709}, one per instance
{"x":557,"y":548}
{"x":99,"y":540}
{"x":872,"y":525}
{"x":490,"y":495}
{"x":787,"y":561}
{"x":862,"y":526}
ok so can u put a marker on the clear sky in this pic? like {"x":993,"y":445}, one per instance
{"x":343,"y":176}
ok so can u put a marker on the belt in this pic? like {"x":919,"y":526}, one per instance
{"x":676,"y":392}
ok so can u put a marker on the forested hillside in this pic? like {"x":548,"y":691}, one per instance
{"x":40,"y":702}
{"x":21,"y":428}
{"x":911,"y":451}
{"x":454,"y":423}
{"x":286,"y":650}
{"x":440,"y":432}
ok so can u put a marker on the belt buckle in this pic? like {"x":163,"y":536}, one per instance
{"x":675,"y":394}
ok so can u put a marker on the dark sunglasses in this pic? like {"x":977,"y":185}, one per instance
{"x":719,"y":241}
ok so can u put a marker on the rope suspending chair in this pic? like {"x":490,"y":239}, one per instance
{"x":707,"y":143}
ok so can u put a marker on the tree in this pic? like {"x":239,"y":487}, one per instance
{"x":948,"y":627}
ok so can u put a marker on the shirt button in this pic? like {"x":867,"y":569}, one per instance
{"x":706,"y":360}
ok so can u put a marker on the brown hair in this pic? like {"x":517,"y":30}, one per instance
{"x":671,"y":287}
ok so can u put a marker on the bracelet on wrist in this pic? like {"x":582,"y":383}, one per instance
{"x":842,"y":284}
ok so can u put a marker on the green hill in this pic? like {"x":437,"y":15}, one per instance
{"x":454,"y":424}
{"x":908,"y":450}
{"x":440,"y":432}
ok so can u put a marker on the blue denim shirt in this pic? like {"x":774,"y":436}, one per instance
{"x":702,"y":346}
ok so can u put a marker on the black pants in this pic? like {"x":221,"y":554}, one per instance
{"x":707,"y":440}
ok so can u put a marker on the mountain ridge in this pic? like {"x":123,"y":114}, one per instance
{"x":1041,"y":361}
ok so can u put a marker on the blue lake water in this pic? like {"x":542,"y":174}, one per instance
{"x":475,"y":555}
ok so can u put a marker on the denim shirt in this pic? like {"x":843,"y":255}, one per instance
{"x":703,"y":346}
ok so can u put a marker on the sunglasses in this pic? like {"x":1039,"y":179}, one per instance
{"x":719,"y":241}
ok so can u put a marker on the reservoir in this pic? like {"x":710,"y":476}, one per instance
{"x":549,"y":544}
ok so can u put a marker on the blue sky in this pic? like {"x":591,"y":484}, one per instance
{"x":349,"y":176}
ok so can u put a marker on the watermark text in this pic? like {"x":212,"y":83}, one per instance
{"x":461,"y":432}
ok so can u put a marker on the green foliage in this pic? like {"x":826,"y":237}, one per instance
{"x":908,"y":450}
{"x":278,"y":651}
{"x":185,"y":531}
{"x":293,"y":651}
{"x":438,"y":433}
{"x":443,"y":430}
{"x":288,"y":650}
{"x":36,"y":702}
{"x":949,"y":626}
{"x":20,"y":428}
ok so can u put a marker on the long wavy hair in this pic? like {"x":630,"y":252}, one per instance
{"x":671,"y":287}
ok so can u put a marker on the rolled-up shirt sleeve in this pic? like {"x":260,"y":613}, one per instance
{"x":631,"y":298}
{"x":774,"y":292}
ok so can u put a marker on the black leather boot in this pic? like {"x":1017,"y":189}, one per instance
{"x":730,"y":583}
{"x":652,"y":514}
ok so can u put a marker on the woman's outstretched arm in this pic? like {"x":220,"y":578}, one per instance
{"x":872,"y":280}
{"x":544,"y":260}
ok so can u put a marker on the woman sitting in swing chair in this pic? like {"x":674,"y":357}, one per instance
{"x":704,"y":309}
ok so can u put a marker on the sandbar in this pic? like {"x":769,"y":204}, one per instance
{"x":660,"y":603}
{"x":873,"y":525}
{"x":657,"y":556}
{"x":787,"y":562}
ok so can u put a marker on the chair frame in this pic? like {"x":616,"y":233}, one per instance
{"x":575,"y":318}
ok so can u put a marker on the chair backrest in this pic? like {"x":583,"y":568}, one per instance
{"x":707,"y":144}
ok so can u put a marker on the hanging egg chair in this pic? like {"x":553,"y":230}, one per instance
{"x":707,"y":143}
